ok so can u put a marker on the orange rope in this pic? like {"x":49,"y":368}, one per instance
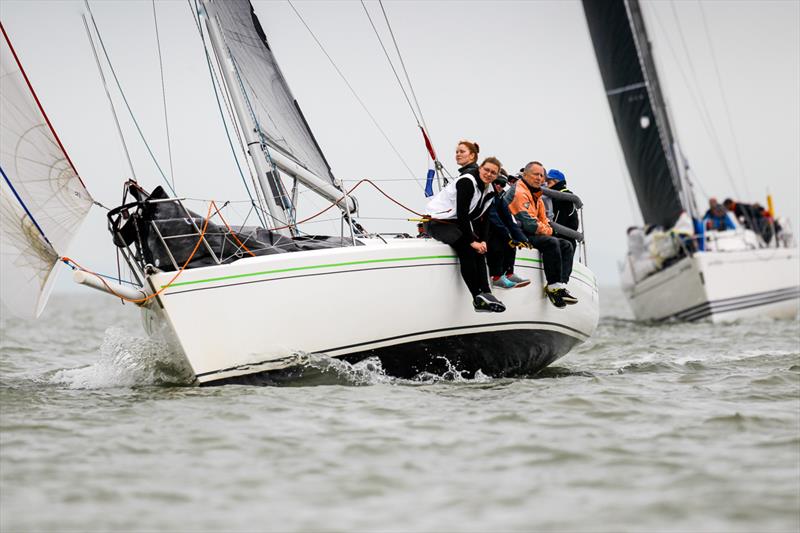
{"x":233,"y":234}
{"x":165,"y":287}
{"x":365,"y":180}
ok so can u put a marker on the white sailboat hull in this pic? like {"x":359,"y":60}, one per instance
{"x":720,"y":286}
{"x":403,"y":301}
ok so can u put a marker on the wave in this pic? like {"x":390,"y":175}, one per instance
{"x":128,"y":361}
{"x":322,"y":369}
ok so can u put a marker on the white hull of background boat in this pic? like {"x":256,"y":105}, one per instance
{"x":721,"y":286}
{"x":403,"y":301}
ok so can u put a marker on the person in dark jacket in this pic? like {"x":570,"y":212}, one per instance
{"x":565,"y":207}
{"x":504,"y":238}
{"x":752,"y":216}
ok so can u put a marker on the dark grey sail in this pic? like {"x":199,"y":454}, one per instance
{"x":634,"y":95}
{"x":276,"y":111}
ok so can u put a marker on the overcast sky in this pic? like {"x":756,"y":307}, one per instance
{"x":518,"y":77}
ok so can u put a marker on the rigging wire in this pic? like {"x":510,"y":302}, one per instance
{"x":164,"y":97}
{"x":424,"y":127}
{"x":737,"y":151}
{"x":110,"y":101}
{"x":195,"y":9}
{"x":702,"y":106}
{"x":352,"y":90}
{"x":403,"y":64}
{"x":391,"y":64}
{"x":124,"y":98}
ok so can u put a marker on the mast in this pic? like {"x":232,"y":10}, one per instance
{"x":277,"y":134}
{"x":637,"y":106}
{"x":267,"y":179}
{"x":675,"y":159}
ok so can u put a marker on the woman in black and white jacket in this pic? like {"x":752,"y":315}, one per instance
{"x":456,"y":218}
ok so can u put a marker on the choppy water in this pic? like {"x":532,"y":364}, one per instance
{"x":659,"y":428}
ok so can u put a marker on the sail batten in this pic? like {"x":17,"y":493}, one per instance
{"x":637,"y":106}
{"x":42,"y":199}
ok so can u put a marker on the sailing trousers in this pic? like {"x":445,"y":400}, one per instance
{"x":501,"y":256}
{"x":556,"y":256}
{"x":473,"y":267}
{"x":473,"y":264}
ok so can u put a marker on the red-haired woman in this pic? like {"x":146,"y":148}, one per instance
{"x":457,"y":219}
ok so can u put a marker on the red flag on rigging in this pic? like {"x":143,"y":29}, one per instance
{"x":428,"y":144}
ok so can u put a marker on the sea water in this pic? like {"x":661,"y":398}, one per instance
{"x":673,"y":427}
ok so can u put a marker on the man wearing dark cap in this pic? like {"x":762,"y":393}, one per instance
{"x":565,"y":206}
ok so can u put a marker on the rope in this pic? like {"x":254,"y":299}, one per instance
{"x":233,"y":233}
{"x":67,"y":261}
{"x":164,"y":96}
{"x":71,"y":264}
{"x":365,"y":180}
{"x":353,"y":91}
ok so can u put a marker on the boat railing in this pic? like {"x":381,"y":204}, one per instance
{"x":147,"y":241}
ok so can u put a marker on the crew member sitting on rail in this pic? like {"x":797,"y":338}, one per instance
{"x":504,"y":238}
{"x":456,"y":218}
{"x":527,"y":206}
{"x":563,"y":207}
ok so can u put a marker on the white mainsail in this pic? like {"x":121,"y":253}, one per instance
{"x":42,"y":199}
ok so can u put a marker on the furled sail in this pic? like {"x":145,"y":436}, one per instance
{"x":634,"y":95}
{"x":42,"y":199}
{"x":276,"y":111}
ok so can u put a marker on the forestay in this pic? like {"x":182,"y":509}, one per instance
{"x":42,"y":199}
{"x":278,"y":115}
{"x":634,"y":96}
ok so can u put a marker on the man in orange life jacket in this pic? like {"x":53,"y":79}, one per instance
{"x":527,"y":206}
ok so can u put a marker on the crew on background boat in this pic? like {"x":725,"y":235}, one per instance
{"x":525,"y":203}
{"x":504,"y":238}
{"x":562,"y":207}
{"x":456,"y":218}
{"x":717,"y":217}
{"x":753,"y":217}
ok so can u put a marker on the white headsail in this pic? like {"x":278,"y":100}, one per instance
{"x":42,"y":199}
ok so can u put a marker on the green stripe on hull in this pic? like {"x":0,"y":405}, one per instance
{"x":335,"y":265}
{"x":312,"y":267}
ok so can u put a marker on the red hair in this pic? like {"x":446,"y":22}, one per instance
{"x":473,"y":147}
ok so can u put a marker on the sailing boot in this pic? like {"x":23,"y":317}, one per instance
{"x":555,"y":298}
{"x":567,"y":297}
{"x":520,"y":282}
{"x":503,"y":282}
{"x":486,"y":302}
